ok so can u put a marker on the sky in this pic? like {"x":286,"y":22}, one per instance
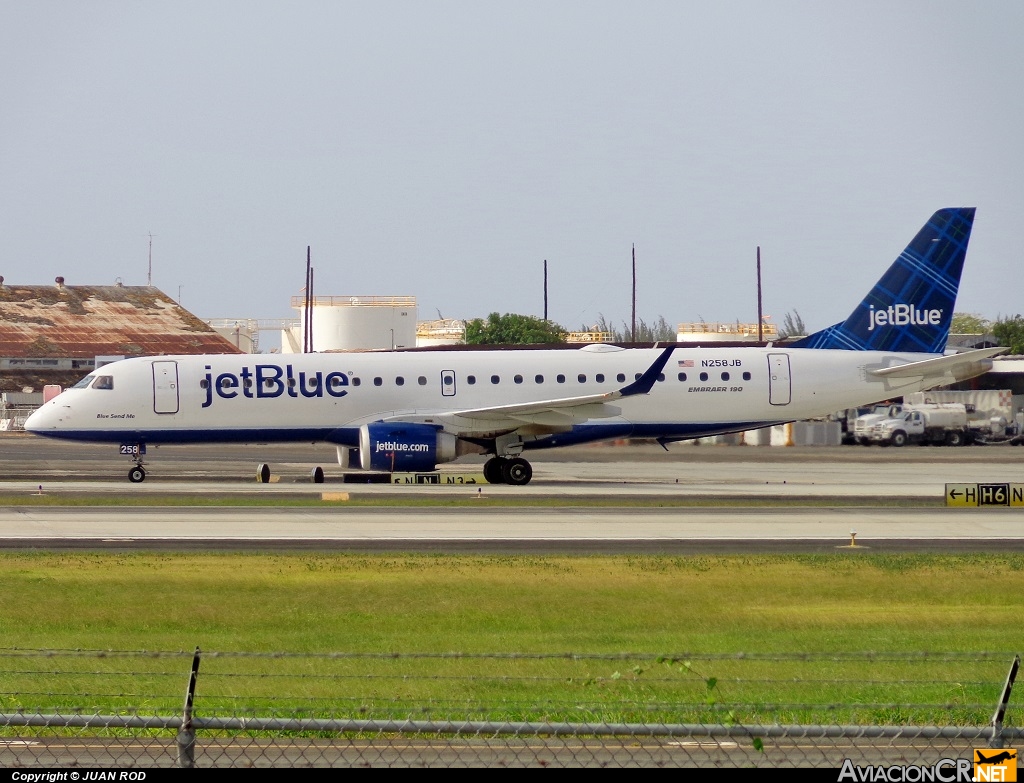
{"x":445,"y":149}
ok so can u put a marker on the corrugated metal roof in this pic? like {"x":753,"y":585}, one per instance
{"x":86,"y":321}
{"x":16,"y":380}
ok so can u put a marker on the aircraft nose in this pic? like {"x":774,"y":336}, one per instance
{"x":48,"y":418}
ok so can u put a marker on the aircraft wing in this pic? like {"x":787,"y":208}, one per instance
{"x":955,"y":364}
{"x":555,"y":414}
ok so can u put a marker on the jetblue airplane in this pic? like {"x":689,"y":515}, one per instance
{"x":410,"y":411}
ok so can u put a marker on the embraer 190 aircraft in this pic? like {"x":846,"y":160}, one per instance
{"x":410,"y":411}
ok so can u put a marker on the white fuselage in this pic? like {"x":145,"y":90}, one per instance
{"x":314,"y":397}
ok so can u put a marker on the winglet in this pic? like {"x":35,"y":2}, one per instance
{"x":645,"y":382}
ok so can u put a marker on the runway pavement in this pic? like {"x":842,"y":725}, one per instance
{"x":527,"y":530}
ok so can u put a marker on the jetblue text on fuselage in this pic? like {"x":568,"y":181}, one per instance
{"x":271,"y":380}
{"x":389,"y":446}
{"x":902,"y":315}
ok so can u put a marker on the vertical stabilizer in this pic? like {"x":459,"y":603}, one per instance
{"x":910,"y":309}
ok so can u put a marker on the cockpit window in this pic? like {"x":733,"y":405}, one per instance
{"x":84,"y":383}
{"x":104,"y":382}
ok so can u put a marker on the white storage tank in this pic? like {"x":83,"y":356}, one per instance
{"x":352,"y":323}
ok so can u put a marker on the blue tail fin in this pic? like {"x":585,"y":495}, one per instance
{"x":910,"y":309}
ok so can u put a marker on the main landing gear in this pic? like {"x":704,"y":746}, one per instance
{"x":316,"y":475}
{"x":503,"y":470}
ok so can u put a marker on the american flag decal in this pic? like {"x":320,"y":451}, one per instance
{"x":686,"y":363}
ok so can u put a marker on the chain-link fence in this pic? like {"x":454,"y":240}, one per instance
{"x":125,"y":709}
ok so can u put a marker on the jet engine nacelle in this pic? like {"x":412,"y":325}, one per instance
{"x":404,"y":447}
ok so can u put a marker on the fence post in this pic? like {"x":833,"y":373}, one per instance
{"x":186,"y":736}
{"x":997,"y":718}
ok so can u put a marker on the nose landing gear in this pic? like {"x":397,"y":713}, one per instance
{"x":137,"y":451}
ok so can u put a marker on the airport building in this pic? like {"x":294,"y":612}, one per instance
{"x":52,"y":335}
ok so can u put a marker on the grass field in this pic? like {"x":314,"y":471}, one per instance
{"x":678,"y":620}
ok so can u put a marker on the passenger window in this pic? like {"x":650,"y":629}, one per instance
{"x":621,"y":377}
{"x":269,"y":382}
{"x":470,"y":379}
{"x":560,"y":378}
{"x":247,"y":383}
{"x":422,"y":381}
{"x":538,"y":379}
{"x":355,"y":381}
{"x":581,"y":378}
{"x":104,"y":382}
{"x":636,"y":377}
{"x":599,"y":378}
{"x":518,"y":379}
{"x":495,"y":379}
{"x":377,"y":381}
{"x":399,"y":381}
{"x":291,"y":382}
{"x":203,"y":384}
{"x":725,"y":376}
{"x":661,"y":377}
{"x":703,"y":376}
{"x":227,"y":383}
{"x":746,"y":376}
{"x":682,"y":376}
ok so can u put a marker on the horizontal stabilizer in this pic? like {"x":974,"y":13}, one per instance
{"x":939,"y":366}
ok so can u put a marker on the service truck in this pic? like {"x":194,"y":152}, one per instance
{"x":990,"y":413}
{"x":935,"y":423}
{"x":867,"y":418}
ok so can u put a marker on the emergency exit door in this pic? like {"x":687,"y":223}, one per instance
{"x":447,"y":383}
{"x":165,"y":387}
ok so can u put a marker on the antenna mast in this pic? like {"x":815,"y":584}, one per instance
{"x":760,"y":317}
{"x":307,"y":335}
{"x":633,"y":335}
{"x":545,"y":289}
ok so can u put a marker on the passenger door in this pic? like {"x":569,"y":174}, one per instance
{"x":780,"y":390}
{"x":165,"y":387}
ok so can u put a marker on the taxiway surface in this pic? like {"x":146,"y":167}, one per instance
{"x":628,"y":478}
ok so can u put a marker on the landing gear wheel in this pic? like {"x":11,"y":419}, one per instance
{"x":517,"y":472}
{"x":137,"y":475}
{"x":317,"y":475}
{"x":493,"y":472}
{"x":263,"y":473}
